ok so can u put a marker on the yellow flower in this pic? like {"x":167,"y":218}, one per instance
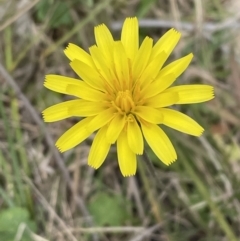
{"x":123,"y":94}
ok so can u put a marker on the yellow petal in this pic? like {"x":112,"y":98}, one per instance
{"x":149,"y":114}
{"x":129,"y":37}
{"x":121,"y":65}
{"x":151,"y":71}
{"x":84,"y":91}
{"x":181,"y":122}
{"x":101,"y":119}
{"x":158,"y":85}
{"x":134,"y":135}
{"x":189,"y":94}
{"x":59,"y":83}
{"x":104,"y":41}
{"x":88,"y":74}
{"x":166,"y":43}
{"x":177,"y":67}
{"x":85,"y":108}
{"x":102,"y":67}
{"x":162,"y":100}
{"x":74,"y":136}
{"x":142,"y":57}
{"x":126,"y":158}
{"x":159,"y":143}
{"x":99,"y":149}
{"x":71,"y":86}
{"x":115,"y":127}
{"x":74,"y":52}
{"x":59,"y":111}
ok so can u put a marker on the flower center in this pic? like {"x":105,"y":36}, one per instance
{"x":124,"y":102}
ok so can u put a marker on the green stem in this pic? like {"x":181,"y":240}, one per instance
{"x":19,"y":196}
{"x":8,"y":47}
{"x":22,"y":152}
{"x":151,"y":193}
{"x":76,"y":29}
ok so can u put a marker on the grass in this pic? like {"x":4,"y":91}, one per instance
{"x":196,"y":198}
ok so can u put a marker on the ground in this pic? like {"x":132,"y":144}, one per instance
{"x":45,"y":195}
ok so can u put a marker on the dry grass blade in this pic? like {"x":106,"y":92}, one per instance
{"x":195,"y":198}
{"x":20,"y":12}
{"x":146,"y":233}
{"x":49,"y":139}
{"x":51,"y":211}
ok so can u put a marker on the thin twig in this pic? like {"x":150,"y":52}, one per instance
{"x":210,"y":27}
{"x":49,"y":140}
{"x":19,"y":13}
{"x":127,"y":229}
{"x":50,"y":209}
{"x":146,"y":233}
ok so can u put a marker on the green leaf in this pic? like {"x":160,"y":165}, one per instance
{"x":108,"y":209}
{"x":58,"y":12}
{"x":10,"y":221}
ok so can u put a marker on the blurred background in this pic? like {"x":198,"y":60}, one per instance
{"x":47,"y":196}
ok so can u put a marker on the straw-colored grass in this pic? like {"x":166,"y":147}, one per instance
{"x":45,"y":196}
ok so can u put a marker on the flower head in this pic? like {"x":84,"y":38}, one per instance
{"x":123,"y":94}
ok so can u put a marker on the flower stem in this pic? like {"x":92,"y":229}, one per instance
{"x":151,"y":192}
{"x":150,"y":166}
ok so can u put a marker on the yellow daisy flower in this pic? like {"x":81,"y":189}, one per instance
{"x":123,"y":94}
